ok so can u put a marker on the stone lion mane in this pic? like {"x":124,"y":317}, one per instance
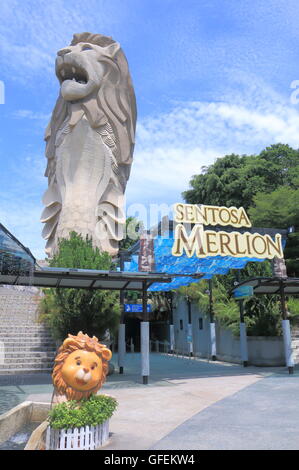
{"x":112,"y":113}
{"x":71,"y":344}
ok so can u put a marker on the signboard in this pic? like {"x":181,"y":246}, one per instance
{"x":203,"y":243}
{"x":243,"y":292}
{"x":136,"y":308}
{"x":146,"y":259}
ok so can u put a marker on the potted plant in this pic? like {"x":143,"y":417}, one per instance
{"x":79,"y":418}
{"x":83,"y":426}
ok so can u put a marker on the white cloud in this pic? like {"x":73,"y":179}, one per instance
{"x":172,"y":147}
{"x":32,"y":115}
{"x":32,"y":32}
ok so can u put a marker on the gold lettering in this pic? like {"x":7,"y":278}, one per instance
{"x":189,"y":214}
{"x":191,"y":243}
{"x":238,"y":251}
{"x":213,"y":210}
{"x":234,"y":216}
{"x":210,"y":242}
{"x":179,"y":212}
{"x":243,"y":216}
{"x":200,"y":214}
{"x":274,"y":245}
{"x":221,"y":211}
{"x":225,"y":241}
{"x":253,"y":242}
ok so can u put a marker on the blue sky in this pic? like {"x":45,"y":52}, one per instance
{"x":211,"y":77}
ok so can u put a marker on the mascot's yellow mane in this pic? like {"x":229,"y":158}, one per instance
{"x":71,"y":344}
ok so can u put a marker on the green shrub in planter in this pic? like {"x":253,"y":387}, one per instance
{"x":91,"y":412}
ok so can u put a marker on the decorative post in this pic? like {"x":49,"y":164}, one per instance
{"x":144,"y":338}
{"x":171,"y":325}
{"x":189,"y":328}
{"x":122,"y":326}
{"x":146,"y":263}
{"x":243,"y":334}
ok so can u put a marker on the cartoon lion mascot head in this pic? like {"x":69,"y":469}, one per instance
{"x":80,"y":367}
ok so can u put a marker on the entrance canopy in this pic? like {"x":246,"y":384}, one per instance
{"x":271,"y":285}
{"x":85,"y":279}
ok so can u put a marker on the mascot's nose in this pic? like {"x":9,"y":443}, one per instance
{"x":62,"y":52}
{"x":85,"y":370}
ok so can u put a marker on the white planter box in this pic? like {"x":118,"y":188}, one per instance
{"x":85,"y":438}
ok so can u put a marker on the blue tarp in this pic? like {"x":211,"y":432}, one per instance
{"x":167,"y":263}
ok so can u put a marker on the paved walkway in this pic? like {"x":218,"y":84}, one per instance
{"x":192,"y":404}
{"x":263,"y":416}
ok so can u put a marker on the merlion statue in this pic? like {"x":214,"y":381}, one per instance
{"x":89,"y":144}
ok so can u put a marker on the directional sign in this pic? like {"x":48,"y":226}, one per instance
{"x":242,"y":292}
{"x":136,"y":308}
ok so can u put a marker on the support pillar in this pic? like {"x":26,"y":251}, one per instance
{"x":122,"y":326}
{"x":171,"y":326}
{"x":243,"y":336}
{"x":287,"y":339}
{"x":171,"y":338}
{"x":189,"y":330}
{"x":121,"y":347}
{"x":243,"y":344}
{"x":212,"y":324}
{"x":144,"y":336}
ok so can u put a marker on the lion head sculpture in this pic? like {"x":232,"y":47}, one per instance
{"x":95,"y":88}
{"x":80,"y":367}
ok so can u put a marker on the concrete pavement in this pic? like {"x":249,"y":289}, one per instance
{"x":179,"y":389}
{"x":190,"y":404}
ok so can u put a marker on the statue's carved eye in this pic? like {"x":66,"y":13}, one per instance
{"x":86,"y":48}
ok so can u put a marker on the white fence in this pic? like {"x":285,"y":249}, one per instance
{"x":84,"y":438}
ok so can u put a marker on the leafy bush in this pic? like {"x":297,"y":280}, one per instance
{"x":72,"y":310}
{"x":91,"y":412}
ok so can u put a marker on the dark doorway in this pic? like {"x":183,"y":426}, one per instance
{"x":133,"y":331}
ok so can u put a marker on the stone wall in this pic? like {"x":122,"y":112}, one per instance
{"x":262,"y":350}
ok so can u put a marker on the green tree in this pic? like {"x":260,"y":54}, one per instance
{"x":133,"y":230}
{"x":266,"y":185}
{"x":71,"y":310}
{"x":234,"y":180}
{"x":280,"y":209}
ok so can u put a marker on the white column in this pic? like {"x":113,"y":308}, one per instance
{"x":213,"y":340}
{"x":243,"y":343}
{"x":190,"y":338}
{"x":171,"y":337}
{"x":121,"y":346}
{"x":287,"y":339}
{"x":144,"y":333}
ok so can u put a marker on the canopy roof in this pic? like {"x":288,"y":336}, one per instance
{"x":85,"y":279}
{"x":271,"y":285}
